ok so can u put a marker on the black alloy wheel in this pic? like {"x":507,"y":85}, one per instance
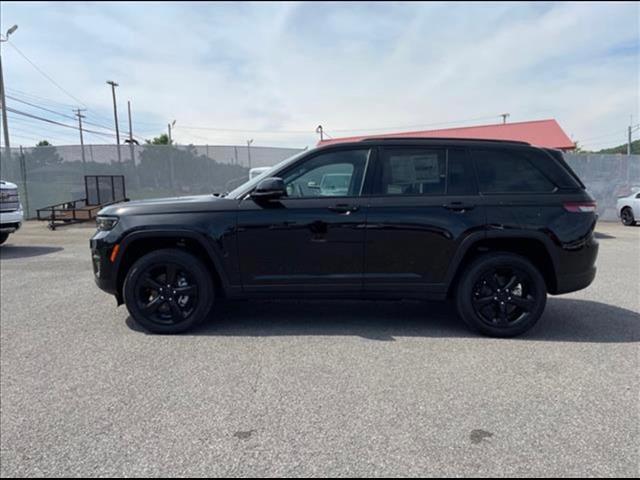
{"x":501,"y":295}
{"x":504,"y":297}
{"x":166,"y":294}
{"x":168,"y":291}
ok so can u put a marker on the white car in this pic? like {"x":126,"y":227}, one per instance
{"x":254,"y":172}
{"x":628,"y":208}
{"x":11,"y":215}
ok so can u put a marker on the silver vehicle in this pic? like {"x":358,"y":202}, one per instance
{"x":254,"y":172}
{"x":11,"y":215}
{"x":628,"y":208}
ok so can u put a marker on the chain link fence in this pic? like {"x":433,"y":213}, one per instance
{"x":49,"y":175}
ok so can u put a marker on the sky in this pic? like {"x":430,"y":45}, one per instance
{"x":229,"y":72}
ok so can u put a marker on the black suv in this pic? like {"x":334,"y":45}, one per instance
{"x":493,"y":225}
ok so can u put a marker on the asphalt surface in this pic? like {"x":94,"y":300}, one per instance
{"x":312,"y":388}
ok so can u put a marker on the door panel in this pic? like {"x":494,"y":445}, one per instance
{"x":410,"y":241}
{"x":313,"y":239}
{"x":302,"y":244}
{"x":424,"y":204}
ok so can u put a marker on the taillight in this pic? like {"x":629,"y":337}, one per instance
{"x":580,"y":207}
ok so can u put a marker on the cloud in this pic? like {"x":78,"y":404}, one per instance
{"x":290,"y":66}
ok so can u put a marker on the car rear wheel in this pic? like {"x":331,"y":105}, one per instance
{"x":168,"y":291}
{"x":501,"y":295}
{"x":626,"y":215}
{"x":3,"y":237}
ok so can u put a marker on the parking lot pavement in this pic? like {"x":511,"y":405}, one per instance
{"x":312,"y":388}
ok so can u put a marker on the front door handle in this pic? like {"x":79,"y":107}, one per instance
{"x":459,"y":206}
{"x":344,"y":208}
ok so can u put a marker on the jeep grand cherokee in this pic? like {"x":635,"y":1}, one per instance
{"x":493,"y":225}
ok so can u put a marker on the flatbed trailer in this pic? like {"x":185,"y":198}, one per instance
{"x":100,"y":191}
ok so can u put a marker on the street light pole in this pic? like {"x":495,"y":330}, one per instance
{"x":5,"y":125}
{"x":169,"y":126}
{"x":115,"y":115}
{"x":249,"y":142}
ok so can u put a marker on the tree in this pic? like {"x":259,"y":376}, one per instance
{"x":42,"y":155}
{"x":635,"y":148}
{"x":162,"y":139}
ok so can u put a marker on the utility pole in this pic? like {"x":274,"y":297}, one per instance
{"x":5,"y":125}
{"x":320,"y":131}
{"x":249,"y":142}
{"x":80,"y":117}
{"x":169,"y":126}
{"x":115,"y":115}
{"x":133,"y":160}
{"x":629,"y":141}
{"x":504,"y":117}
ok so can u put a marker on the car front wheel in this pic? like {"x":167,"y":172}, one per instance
{"x":501,"y":295}
{"x":626,"y":215}
{"x":3,"y":237}
{"x":168,"y":291}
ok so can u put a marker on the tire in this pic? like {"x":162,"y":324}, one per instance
{"x":501,"y":295}
{"x":626,"y":216}
{"x":164,"y":310}
{"x":3,"y":237}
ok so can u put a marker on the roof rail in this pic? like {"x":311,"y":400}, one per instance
{"x":489,"y":140}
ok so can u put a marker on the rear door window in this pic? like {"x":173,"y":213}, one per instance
{"x":424,"y":171}
{"x":507,"y":172}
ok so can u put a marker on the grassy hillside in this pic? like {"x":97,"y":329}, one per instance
{"x":635,"y":148}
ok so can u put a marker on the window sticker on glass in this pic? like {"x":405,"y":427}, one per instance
{"x":416,"y":168}
{"x":427,"y":168}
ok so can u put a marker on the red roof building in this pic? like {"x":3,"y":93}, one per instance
{"x":542,"y":133}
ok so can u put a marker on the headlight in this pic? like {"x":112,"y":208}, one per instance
{"x":105,"y":224}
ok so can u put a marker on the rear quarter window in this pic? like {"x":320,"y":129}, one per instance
{"x":509,"y":172}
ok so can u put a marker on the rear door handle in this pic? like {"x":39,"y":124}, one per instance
{"x":459,"y":206}
{"x":344,"y":208}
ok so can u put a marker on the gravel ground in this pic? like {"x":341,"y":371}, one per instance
{"x":312,"y":388}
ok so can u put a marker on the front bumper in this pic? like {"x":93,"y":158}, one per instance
{"x":11,"y":221}
{"x":104,"y":271}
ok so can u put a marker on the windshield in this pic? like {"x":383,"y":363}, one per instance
{"x":243,"y":189}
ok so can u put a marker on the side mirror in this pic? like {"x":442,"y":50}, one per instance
{"x":269,"y":189}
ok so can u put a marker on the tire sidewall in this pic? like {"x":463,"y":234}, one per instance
{"x":3,"y":237}
{"x":190,"y":263}
{"x":471,"y":275}
{"x":630,"y":222}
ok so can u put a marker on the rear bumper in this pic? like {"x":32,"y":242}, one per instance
{"x":11,"y":221}
{"x":577,"y":281}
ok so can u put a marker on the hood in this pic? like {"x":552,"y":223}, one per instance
{"x":194,"y":203}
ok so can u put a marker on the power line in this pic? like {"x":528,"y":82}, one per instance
{"x":61,"y":114}
{"x":403,"y":127}
{"x":48,"y":120}
{"x":41,"y":108}
{"x":187,"y":127}
{"x":44,"y":74}
{"x":37,"y":98}
{"x":310,"y":132}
